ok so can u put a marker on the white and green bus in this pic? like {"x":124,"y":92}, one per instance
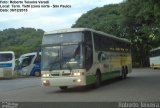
{"x":82,"y":56}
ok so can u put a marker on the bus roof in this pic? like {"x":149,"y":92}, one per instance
{"x":155,"y":49}
{"x":7,"y":52}
{"x":69,"y":30}
{"x":29,"y":54}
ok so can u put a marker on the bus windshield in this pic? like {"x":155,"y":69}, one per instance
{"x":62,"y":51}
{"x":4,"y":57}
{"x":155,"y":53}
{"x":62,"y":57}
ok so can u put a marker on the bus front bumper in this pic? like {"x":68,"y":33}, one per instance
{"x":63,"y":81}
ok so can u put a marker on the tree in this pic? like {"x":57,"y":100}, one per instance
{"x":142,"y":27}
{"x":107,"y":19}
{"x":22,"y":40}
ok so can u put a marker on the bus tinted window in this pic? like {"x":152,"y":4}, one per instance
{"x":103,"y":43}
{"x":88,"y":50}
{"x":155,"y":53}
{"x":5,"y":57}
{"x":98,"y":42}
{"x":38,"y":59}
{"x":27,"y":60}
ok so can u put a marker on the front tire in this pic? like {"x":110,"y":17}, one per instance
{"x":98,"y":79}
{"x":123,"y":73}
{"x":126,"y":69}
{"x":37,"y":73}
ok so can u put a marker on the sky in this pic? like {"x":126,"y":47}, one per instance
{"x":51,"y":18}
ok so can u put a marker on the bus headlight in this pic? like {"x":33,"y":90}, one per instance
{"x":45,"y":83}
{"x":78,"y":80}
{"x":77,"y":74}
{"x":45,"y":75}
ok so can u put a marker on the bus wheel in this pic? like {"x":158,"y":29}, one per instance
{"x":63,"y":87}
{"x":98,"y":79}
{"x":123,"y":73}
{"x":37,"y":73}
{"x":126,"y":70}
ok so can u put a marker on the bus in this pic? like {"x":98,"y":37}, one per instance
{"x":83,"y":56}
{"x":155,"y":58}
{"x":29,"y":64}
{"x":7,"y":64}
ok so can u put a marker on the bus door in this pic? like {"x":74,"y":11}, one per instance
{"x":104,"y":59}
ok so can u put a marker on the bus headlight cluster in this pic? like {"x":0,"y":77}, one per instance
{"x":76,"y":73}
{"x":46,"y":75}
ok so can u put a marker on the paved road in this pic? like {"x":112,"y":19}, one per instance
{"x":141,"y":85}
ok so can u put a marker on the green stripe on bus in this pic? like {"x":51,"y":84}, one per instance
{"x":90,"y":79}
{"x":109,"y":75}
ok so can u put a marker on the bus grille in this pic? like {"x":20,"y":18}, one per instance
{"x":63,"y":74}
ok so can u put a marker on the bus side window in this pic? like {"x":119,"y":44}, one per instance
{"x":88,"y":50}
{"x":26,"y":61}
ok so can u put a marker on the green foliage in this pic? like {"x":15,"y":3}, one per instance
{"x":136,"y":20}
{"x":142,"y":27}
{"x":106,"y":19}
{"x":22,"y":40}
